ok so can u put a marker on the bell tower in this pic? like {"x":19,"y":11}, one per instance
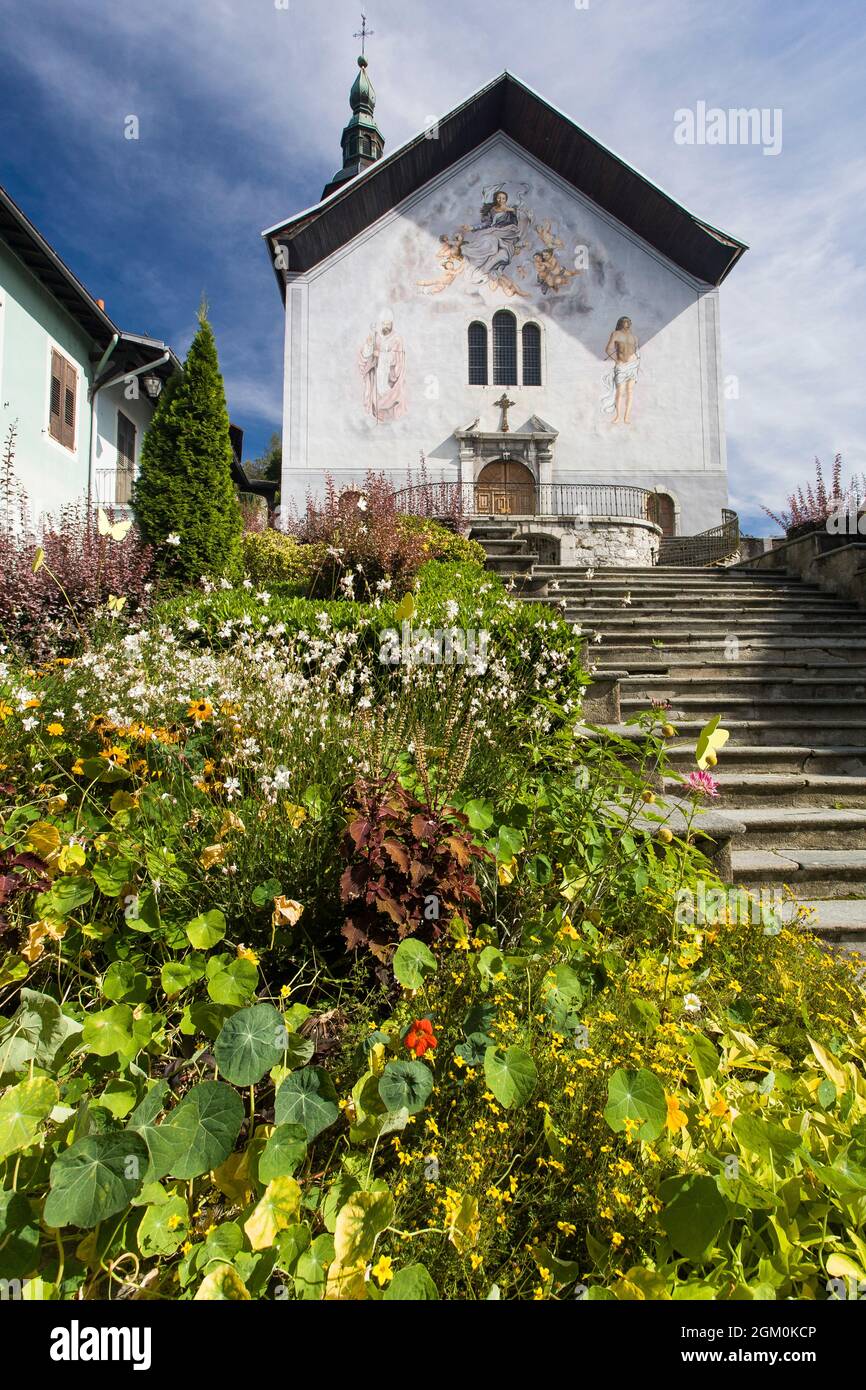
{"x":362,"y":139}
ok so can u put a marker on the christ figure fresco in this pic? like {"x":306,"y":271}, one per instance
{"x":382,"y":364}
{"x":624,"y":352}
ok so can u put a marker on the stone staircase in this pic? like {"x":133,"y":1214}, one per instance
{"x":785,"y":666}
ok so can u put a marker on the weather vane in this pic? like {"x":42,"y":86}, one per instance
{"x":363,"y":34}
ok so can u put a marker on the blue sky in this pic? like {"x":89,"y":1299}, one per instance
{"x":241,"y":104}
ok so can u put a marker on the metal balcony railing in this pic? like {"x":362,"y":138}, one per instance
{"x":113,"y":486}
{"x":587,"y":501}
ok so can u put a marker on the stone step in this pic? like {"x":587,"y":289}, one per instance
{"x":791,"y":731}
{"x":823,"y":873}
{"x":571,"y":580}
{"x":840,"y":920}
{"x":727,"y":617}
{"x":769,"y":646}
{"x":807,"y":827}
{"x":506,"y":547}
{"x":791,"y":758}
{"x":818,"y":686}
{"x":809,"y":714}
{"x":664,"y":629}
{"x":778,"y":790}
{"x":686,"y":574}
{"x":689,"y":668}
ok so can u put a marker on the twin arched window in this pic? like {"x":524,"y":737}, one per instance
{"x":505,"y":353}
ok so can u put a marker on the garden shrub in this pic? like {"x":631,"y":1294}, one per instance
{"x":273,"y":557}
{"x":51,"y":610}
{"x":184,"y":497}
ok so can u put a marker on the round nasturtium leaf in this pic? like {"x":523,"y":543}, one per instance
{"x":413,"y":961}
{"x":284,"y":1152}
{"x":412,"y":1283}
{"x":223,"y":1284}
{"x":275,"y":1212}
{"x":95,"y":1178}
{"x":207,"y":929}
{"x":694,"y":1213}
{"x":110,"y":1031}
{"x":359,"y":1222}
{"x":637,"y":1097}
{"x":202,"y":1130}
{"x":307,"y":1098}
{"x":233,"y":983}
{"x":510,"y":1073}
{"x":250,"y":1043}
{"x":405,"y":1086}
{"x":163,"y":1227}
{"x":22,"y":1110}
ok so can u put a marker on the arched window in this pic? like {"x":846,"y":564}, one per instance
{"x":531,"y":354}
{"x":477,"y":354}
{"x":504,"y":349}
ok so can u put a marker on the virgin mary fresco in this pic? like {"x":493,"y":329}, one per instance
{"x":494,"y":242}
{"x":486,"y":250}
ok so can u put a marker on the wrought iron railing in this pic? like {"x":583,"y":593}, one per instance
{"x":584,"y":500}
{"x":113,"y":486}
{"x":708,"y":548}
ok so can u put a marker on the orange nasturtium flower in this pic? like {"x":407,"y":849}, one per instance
{"x":421,"y":1037}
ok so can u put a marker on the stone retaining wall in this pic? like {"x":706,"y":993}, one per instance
{"x":600,"y":541}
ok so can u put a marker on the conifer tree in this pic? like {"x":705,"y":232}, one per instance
{"x":184,"y":488}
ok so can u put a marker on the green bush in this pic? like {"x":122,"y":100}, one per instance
{"x":442,"y":542}
{"x":185,"y":488}
{"x":271,"y":557}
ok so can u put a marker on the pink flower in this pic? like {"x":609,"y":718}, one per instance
{"x":703,"y":783}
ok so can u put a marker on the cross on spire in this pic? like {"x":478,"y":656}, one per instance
{"x":363,"y":34}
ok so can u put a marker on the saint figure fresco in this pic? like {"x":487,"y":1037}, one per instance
{"x":624,"y":352}
{"x":382,"y":364}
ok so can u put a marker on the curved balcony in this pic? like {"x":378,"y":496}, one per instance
{"x":587,"y":501}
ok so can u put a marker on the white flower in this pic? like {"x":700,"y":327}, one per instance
{"x":232,"y":787}
{"x":264,"y":596}
{"x":248,"y":583}
{"x":692,"y":1004}
{"x":225,"y":583}
{"x":452,"y":608}
{"x":172,"y":538}
{"x":362,"y":504}
{"x":282,"y":778}
{"x":29,"y":724}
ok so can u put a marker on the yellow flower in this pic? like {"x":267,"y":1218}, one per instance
{"x":55,"y":730}
{"x":244,"y":953}
{"x":286,"y":912}
{"x":505,"y":873}
{"x":719,"y":1106}
{"x":213,"y":854}
{"x":382,"y":1270}
{"x":676,"y":1117}
{"x":229,"y":823}
{"x":5,"y":711}
{"x":200,"y":710}
{"x":296,"y":814}
{"x":174,"y":1221}
{"x":77,"y":768}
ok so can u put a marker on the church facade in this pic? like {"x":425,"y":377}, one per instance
{"x":502,"y":301}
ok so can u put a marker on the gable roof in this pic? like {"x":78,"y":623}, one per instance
{"x":507,"y":104}
{"x":43,"y":262}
